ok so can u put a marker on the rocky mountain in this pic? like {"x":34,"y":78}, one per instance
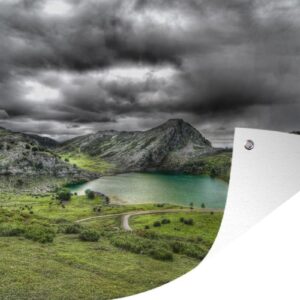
{"x":44,"y":141}
{"x":24,"y":155}
{"x":172,"y":146}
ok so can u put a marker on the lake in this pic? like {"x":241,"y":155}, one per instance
{"x":180,"y":189}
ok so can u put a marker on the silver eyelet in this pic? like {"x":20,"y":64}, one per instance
{"x":249,"y":145}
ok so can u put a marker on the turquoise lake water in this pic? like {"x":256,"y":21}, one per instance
{"x":160,"y":188}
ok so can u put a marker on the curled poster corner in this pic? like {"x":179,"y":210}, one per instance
{"x":249,"y":258}
{"x":261,"y":179}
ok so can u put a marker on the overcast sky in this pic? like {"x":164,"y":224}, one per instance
{"x":73,"y":67}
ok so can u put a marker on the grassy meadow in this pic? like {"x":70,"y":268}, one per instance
{"x":84,"y":161}
{"x":47,"y":254}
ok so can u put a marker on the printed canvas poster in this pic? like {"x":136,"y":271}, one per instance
{"x":117,"y":122}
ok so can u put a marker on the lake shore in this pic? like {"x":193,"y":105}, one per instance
{"x":157,"y":187}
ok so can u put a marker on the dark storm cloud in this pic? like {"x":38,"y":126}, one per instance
{"x":216,"y":63}
{"x":97,"y":35}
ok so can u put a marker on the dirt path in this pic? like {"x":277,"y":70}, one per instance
{"x":127,"y":215}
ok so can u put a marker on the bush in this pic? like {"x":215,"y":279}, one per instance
{"x":97,"y":209}
{"x":154,"y":248}
{"x":149,"y":234}
{"x":165,"y":221}
{"x":156,"y":224}
{"x":39,"y":233}
{"x":188,"y":249}
{"x":9,"y":230}
{"x":64,"y":195}
{"x":189,"y":222}
{"x":147,"y":227}
{"x":202,"y":205}
{"x":181,"y":220}
{"x":177,"y":247}
{"x":90,"y":194}
{"x":73,"y":229}
{"x":34,"y":149}
{"x":132,"y":244}
{"x":161,"y":254}
{"x":89,"y":235}
{"x":20,"y":182}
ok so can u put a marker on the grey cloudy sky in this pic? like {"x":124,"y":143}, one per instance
{"x":73,"y":67}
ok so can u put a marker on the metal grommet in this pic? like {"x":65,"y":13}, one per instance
{"x":249,"y":145}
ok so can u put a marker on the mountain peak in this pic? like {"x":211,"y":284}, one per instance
{"x":175,"y":121}
{"x":181,"y":132}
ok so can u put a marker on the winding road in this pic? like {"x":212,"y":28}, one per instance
{"x":127,"y":215}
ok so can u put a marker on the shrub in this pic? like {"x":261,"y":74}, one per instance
{"x":177,"y":247}
{"x":39,"y":233}
{"x":66,"y":160}
{"x":202,"y":205}
{"x":89,"y":235}
{"x":132,"y":244}
{"x":106,"y":200}
{"x":19,"y":182}
{"x":161,"y":254}
{"x":188,"y":249}
{"x":97,"y":208}
{"x":61,"y":221}
{"x":154,"y":248}
{"x":213,"y":173}
{"x":165,"y":221}
{"x":181,"y":219}
{"x":193,"y":251}
{"x":34,"y":149}
{"x":64,"y":195}
{"x":73,"y":229}
{"x":27,"y":146}
{"x":9,"y":230}
{"x":90,"y":194}
{"x":156,"y":224}
{"x":189,"y":222}
{"x":149,"y":234}
{"x":147,"y":227}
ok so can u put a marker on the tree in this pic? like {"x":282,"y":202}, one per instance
{"x":106,"y":200}
{"x":90,"y":194}
{"x":202,"y":205}
{"x":213,"y":173}
{"x":191,"y":205}
{"x":64,"y":195}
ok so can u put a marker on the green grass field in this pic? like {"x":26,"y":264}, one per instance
{"x":83,"y":161}
{"x":206,"y":224}
{"x":44,"y":255}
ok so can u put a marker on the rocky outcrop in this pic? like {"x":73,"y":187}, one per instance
{"x":21,"y":155}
